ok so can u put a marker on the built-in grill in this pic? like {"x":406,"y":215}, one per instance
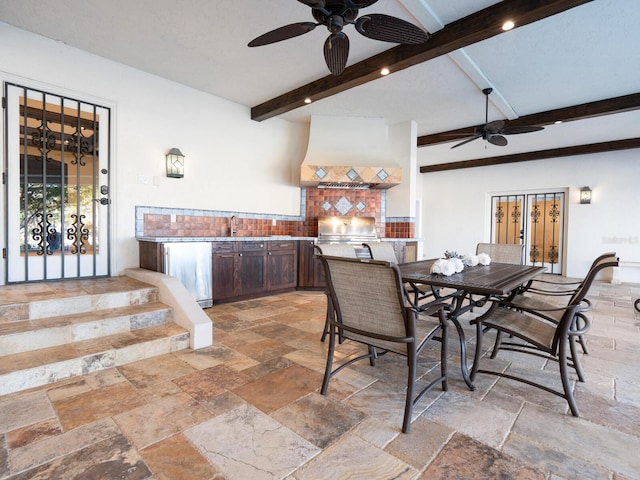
{"x":351,"y":230}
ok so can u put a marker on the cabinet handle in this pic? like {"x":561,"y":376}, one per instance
{"x":239,"y":254}
{"x":269,"y":253}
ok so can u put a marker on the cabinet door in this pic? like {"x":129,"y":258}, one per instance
{"x":252,"y":272}
{"x":282,"y":268}
{"x":224,"y":276}
{"x":310,"y":270}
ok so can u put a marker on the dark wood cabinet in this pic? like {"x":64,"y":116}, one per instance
{"x":282,"y":265}
{"x":248,"y":269}
{"x":310,"y":270}
{"x":251,"y":268}
{"x":224,"y":271}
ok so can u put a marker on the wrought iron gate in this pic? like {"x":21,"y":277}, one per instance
{"x":535,"y":220}
{"x":57,"y":186}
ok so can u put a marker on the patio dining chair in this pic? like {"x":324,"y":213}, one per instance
{"x":545,"y":293}
{"x":502,"y":252}
{"x":384,"y":251}
{"x":545,"y":330}
{"x":335,"y":250}
{"x":371,"y":308}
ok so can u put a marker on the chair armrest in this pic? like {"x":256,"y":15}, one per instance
{"x":430,"y":309}
{"x":554,"y":293}
{"x":551,"y":282}
{"x":581,"y":325}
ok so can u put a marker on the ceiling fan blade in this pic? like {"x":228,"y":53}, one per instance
{"x":466,"y":141}
{"x":336,"y":52}
{"x":313,"y":3}
{"x":358,"y":4}
{"x":517,"y":130}
{"x":494,"y":127}
{"x":283,"y":33}
{"x":498,"y":140}
{"x":378,"y":26}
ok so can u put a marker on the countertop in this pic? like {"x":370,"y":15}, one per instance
{"x":247,"y":239}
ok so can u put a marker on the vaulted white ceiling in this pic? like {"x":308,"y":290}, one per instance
{"x":590,"y":52}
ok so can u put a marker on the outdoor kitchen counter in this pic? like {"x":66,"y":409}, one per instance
{"x":247,"y":267}
{"x":249,"y":239}
{"x":220,"y":239}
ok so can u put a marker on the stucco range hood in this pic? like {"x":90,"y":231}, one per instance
{"x":349,"y":152}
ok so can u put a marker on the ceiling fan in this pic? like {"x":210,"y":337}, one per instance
{"x":493,"y":132}
{"x":335,"y":14}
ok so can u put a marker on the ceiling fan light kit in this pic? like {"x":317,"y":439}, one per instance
{"x":494,"y":132}
{"x":335,"y":15}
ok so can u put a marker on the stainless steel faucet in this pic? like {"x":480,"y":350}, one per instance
{"x":233,"y":225}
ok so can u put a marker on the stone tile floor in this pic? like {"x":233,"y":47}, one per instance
{"x":249,"y":408}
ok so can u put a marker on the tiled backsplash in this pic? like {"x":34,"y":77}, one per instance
{"x":315,"y":202}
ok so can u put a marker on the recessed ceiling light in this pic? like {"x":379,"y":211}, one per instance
{"x":307,"y":100}
{"x":384,"y":71}
{"x":508,"y":25}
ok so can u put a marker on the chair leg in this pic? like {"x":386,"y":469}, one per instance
{"x":411,"y":380}
{"x":329,"y":366}
{"x":326,"y":320}
{"x":583,"y":345}
{"x":575,"y":359}
{"x":373,"y":355}
{"x":497,"y":344}
{"x":564,"y":375}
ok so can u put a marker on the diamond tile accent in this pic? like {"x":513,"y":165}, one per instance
{"x":360,"y":206}
{"x":352,"y":174}
{"x":344,"y":206}
{"x":326,"y":206}
{"x":321,"y":173}
{"x":383,"y":175}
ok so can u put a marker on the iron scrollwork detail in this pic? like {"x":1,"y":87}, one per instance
{"x":534,"y":254}
{"x":499,"y":214}
{"x":78,"y":145}
{"x":535,"y":213}
{"x":45,"y":234}
{"x":78,"y":234}
{"x":43,"y":138}
{"x":515,"y":214}
{"x":554,"y":213}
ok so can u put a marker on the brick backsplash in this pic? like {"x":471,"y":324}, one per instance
{"x":316,"y":202}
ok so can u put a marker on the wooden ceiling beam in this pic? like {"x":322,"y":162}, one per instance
{"x":466,"y":31}
{"x":601,"y":147}
{"x":609,"y":106}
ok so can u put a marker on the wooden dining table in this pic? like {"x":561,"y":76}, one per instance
{"x":464,"y":291}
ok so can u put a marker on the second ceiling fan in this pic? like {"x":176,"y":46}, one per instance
{"x":493,"y":132}
{"x":335,"y":15}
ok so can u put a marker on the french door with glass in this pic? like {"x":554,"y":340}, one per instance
{"x":57,"y":186}
{"x":535,"y":220}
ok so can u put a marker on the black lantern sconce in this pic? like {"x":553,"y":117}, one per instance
{"x":175,"y":163}
{"x":585,"y":195}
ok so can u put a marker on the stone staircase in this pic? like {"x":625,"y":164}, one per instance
{"x":57,"y":330}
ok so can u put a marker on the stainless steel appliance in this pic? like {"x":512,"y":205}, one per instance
{"x":190,"y":262}
{"x":351,"y":230}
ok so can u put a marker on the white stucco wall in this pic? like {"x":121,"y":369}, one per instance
{"x":456,"y":210}
{"x":232,"y":162}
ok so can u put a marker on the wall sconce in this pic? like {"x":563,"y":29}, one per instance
{"x":585,"y":195}
{"x":175,"y":163}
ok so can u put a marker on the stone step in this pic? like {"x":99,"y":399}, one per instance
{"x":22,"y":371}
{"x":41,"y":300}
{"x":26,"y":335}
